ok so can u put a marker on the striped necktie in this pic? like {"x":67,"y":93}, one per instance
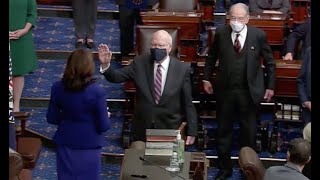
{"x":157,"y":84}
{"x":237,"y":45}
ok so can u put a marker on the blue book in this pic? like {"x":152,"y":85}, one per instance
{"x":137,"y":4}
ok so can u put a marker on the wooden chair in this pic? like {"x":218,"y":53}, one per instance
{"x":143,"y":39}
{"x":28,"y":147}
{"x":179,"y":5}
{"x":299,"y":11}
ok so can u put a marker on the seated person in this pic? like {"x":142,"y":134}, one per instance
{"x":298,"y":155}
{"x":307,"y":136}
{"x":270,"y":6}
{"x":301,"y":32}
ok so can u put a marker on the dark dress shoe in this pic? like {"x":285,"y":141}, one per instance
{"x":223,"y":175}
{"x":90,"y":45}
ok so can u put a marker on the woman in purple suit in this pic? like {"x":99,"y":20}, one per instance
{"x":78,"y":106}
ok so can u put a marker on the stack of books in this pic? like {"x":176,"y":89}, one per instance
{"x":289,"y":112}
{"x":160,"y":142}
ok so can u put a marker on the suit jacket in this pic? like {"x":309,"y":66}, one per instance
{"x":257,"y":46}
{"x":258,"y":6}
{"x":124,"y":2}
{"x":288,"y":171}
{"x":176,"y":98}
{"x":81,"y":116}
{"x":301,"y":32}
{"x":304,"y":78}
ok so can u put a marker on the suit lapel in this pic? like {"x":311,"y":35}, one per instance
{"x":229,"y":47}
{"x":150,"y":76}
{"x":250,"y":47}
{"x":169,"y":80}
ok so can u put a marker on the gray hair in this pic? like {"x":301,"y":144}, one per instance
{"x":242,"y":5}
{"x":307,"y":132}
{"x":164,"y":34}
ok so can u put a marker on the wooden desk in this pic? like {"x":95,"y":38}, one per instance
{"x":286,"y":74}
{"x":299,"y":10}
{"x":273,"y":25}
{"x":131,"y":164}
{"x":190,"y":29}
{"x":286,"y":77}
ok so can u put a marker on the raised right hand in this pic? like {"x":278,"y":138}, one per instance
{"x":104,"y":54}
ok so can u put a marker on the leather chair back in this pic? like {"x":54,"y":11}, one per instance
{"x":15,"y":164}
{"x":178,"y":5}
{"x":144,"y":36}
{"x":251,"y":164}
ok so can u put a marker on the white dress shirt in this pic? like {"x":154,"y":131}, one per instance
{"x":242,"y":37}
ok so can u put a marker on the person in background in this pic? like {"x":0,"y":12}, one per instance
{"x":304,"y":86}
{"x":298,"y":154}
{"x":301,"y":32}
{"x":12,"y":129}
{"x":85,"y":17}
{"x":270,"y":6}
{"x":130,"y":16}
{"x":78,"y":107}
{"x":163,"y":88}
{"x":239,"y":81}
{"x":307,"y":136}
{"x":22,"y":19}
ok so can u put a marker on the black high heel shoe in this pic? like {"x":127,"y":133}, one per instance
{"x":79,"y":43}
{"x":90,"y":44}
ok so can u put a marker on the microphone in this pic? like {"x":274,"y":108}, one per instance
{"x":144,"y":159}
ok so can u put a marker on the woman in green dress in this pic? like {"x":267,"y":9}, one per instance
{"x":22,"y":19}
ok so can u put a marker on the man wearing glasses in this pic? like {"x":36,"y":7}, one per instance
{"x":239,"y":84}
{"x":163,"y":88}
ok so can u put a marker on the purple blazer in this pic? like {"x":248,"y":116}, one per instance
{"x":81,"y":116}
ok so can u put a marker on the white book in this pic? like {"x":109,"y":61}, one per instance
{"x":158,"y":152}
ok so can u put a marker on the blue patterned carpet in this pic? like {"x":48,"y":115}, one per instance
{"x":102,"y":5}
{"x":38,"y":84}
{"x":54,"y":33}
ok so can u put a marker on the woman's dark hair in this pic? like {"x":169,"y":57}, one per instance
{"x":79,"y":70}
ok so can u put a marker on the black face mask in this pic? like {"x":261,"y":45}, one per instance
{"x":158,"y":54}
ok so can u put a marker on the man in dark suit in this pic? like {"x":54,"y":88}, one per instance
{"x":301,"y":32}
{"x":239,"y":82}
{"x":270,"y":6}
{"x":129,"y":15}
{"x":298,"y":155}
{"x":304,"y":86}
{"x":161,"y":99}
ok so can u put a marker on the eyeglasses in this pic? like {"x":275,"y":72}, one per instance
{"x":239,"y":19}
{"x":159,"y":45}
